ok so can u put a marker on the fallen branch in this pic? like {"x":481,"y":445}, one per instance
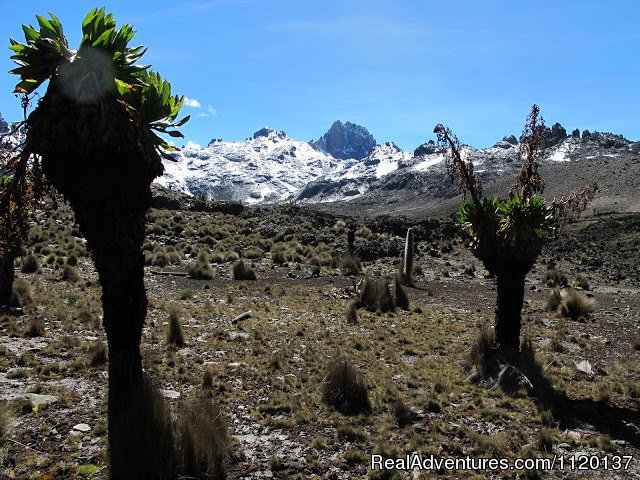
{"x":242,"y":316}
{"x":177,"y":274}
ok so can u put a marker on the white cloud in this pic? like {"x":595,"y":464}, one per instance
{"x":191,"y":144}
{"x":192,"y":102}
{"x":211,"y":112}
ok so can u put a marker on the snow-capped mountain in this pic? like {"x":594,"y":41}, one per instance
{"x":357,"y":176}
{"x":267,"y":168}
{"x":271,"y":167}
{"x":569,"y":163}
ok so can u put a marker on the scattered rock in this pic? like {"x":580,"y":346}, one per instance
{"x":585,"y":367}
{"x":170,"y":394}
{"x":82,"y":427}
{"x":39,"y":400}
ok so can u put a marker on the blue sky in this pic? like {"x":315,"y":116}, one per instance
{"x":397,"y":67}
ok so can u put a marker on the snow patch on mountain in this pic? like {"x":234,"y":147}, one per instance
{"x":267,"y":168}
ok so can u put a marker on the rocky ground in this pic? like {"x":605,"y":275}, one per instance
{"x":268,"y":368}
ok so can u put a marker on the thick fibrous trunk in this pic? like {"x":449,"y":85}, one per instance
{"x":115,"y":233}
{"x":509,"y":307}
{"x":351,"y":239}
{"x":7,"y":274}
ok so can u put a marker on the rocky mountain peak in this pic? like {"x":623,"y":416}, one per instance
{"x":554,"y":135}
{"x":427,"y":148}
{"x":508,"y":141}
{"x":345,"y":141}
{"x":269,"y":132}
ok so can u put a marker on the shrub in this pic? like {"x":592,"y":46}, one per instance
{"x":202,"y":269}
{"x":243,"y":271}
{"x":72,"y":260}
{"x":20,"y":294}
{"x":555,"y":278}
{"x":553,"y":300}
{"x":575,"y":305}
{"x":203,"y":440}
{"x":344,"y":389}
{"x":175,"y":336}
{"x":350,"y":266}
{"x":375,"y":295}
{"x":29,"y":264}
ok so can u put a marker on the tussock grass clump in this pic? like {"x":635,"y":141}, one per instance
{"x":575,"y":305}
{"x":70,"y":274}
{"x":146,"y":416}
{"x":98,"y":354}
{"x":35,"y":328}
{"x":581,"y":282}
{"x":344,"y":389}
{"x":202,"y":440}
{"x":72,"y":260}
{"x":278,"y":257}
{"x":5,"y":420}
{"x":253,"y":253}
{"x":352,"y":313}
{"x":350,"y":266}
{"x":161,"y":259}
{"x":482,"y":357}
{"x":402,"y":299}
{"x":207,"y":379}
{"x":402,"y":414}
{"x":29,"y":264}
{"x":202,"y":269}
{"x":555,"y":278}
{"x":175,"y":336}
{"x":21,"y":294}
{"x":375,"y":295}
{"x":553,"y":300}
{"x":186,"y":294}
{"x":243,"y":271}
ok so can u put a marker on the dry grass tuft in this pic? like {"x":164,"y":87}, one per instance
{"x":375,"y":296}
{"x":344,"y":389}
{"x":243,"y":271}
{"x":575,"y":305}
{"x":175,"y":336}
